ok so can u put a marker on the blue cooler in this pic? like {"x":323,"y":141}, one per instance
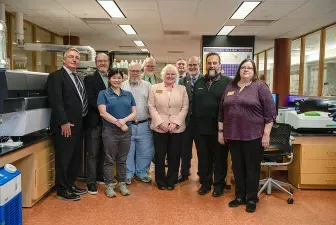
{"x":10,"y":196}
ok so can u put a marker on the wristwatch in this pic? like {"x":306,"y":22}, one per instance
{"x":220,"y":131}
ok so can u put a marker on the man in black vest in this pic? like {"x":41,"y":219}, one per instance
{"x":212,"y":156}
{"x":95,"y":159}
{"x":69,"y":105}
{"x":189,"y":134}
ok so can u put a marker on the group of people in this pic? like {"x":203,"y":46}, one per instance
{"x":163,"y":115}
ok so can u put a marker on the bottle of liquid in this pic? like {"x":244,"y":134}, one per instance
{"x":126,"y":64}
{"x":114,"y":65}
{"x":121,"y":64}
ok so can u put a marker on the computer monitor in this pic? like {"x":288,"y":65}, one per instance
{"x":276,"y":101}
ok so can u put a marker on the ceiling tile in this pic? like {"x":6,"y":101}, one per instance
{"x":133,"y":5}
{"x":312,"y":10}
{"x":247,"y":30}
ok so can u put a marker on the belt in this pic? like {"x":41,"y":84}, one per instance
{"x":136,"y":122}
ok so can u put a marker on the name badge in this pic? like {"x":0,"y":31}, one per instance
{"x":200,"y":88}
{"x":159,"y":91}
{"x":230,"y":93}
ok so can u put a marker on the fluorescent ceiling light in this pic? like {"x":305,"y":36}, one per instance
{"x":128,"y":29}
{"x":226,"y":30}
{"x":111,"y":8}
{"x":244,"y":9}
{"x":144,"y":50}
{"x":139,"y":43}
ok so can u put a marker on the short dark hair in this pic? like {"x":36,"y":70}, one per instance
{"x":211,"y":54}
{"x":255,"y":77}
{"x":114,"y":72}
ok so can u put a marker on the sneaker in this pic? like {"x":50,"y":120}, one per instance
{"x":109,"y":191}
{"x":145,"y":179}
{"x":123,"y":189}
{"x":92,"y":189}
{"x":128,"y":181}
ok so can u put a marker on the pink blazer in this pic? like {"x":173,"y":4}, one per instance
{"x":165,"y":109}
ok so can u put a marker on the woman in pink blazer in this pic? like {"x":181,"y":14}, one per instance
{"x":168,"y":106}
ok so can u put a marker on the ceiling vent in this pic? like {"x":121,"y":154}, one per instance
{"x":96,"y":20}
{"x":176,"y":32}
{"x":175,"y":52}
{"x":257,"y":22}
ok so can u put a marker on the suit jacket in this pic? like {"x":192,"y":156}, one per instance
{"x":186,"y":81}
{"x":165,"y":109}
{"x":65,"y":102}
{"x":157,"y":78}
{"x":93,"y":85}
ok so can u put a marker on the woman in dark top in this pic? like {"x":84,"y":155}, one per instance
{"x":246,"y":116}
{"x":117,"y":108}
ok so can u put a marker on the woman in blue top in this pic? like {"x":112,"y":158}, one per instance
{"x":117,"y":108}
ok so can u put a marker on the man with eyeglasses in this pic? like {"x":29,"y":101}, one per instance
{"x":149,"y":66}
{"x":189,"y":134}
{"x":212,"y":156}
{"x":68,"y":101}
{"x":142,"y":147}
{"x":95,"y":83}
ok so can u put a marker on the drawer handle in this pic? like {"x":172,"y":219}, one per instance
{"x":52,"y":169}
{"x":331,"y":153}
{"x":331,"y":167}
{"x":330,"y":180}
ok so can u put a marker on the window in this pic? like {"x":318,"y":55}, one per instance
{"x":295,"y":67}
{"x":59,"y":55}
{"x":22,"y":60}
{"x":44,"y":59}
{"x":261,"y":66}
{"x":329,"y":88}
{"x":311,"y":64}
{"x":270,"y":66}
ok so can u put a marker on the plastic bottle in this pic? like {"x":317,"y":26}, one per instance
{"x":114,"y":65}
{"x":126,"y":64}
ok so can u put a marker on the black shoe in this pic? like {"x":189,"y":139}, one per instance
{"x":204,"y":190}
{"x":251,"y":206}
{"x":182,"y":179}
{"x":92,"y":189}
{"x":236,"y":202}
{"x":217,"y":192}
{"x":77,"y":190}
{"x":161,"y":187}
{"x":67,"y":196}
{"x":170,"y":188}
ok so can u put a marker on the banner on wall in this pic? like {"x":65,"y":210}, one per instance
{"x":231,"y":57}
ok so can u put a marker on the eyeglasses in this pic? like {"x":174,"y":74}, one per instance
{"x":192,"y":65}
{"x":135,"y":71}
{"x":73,"y":57}
{"x":246,"y":68}
{"x":102,"y":61}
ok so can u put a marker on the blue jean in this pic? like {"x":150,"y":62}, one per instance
{"x":141,"y":151}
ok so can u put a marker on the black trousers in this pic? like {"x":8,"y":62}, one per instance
{"x":246,"y":158}
{"x":170,"y":144}
{"x":95,"y":154}
{"x":67,"y":158}
{"x":188,"y":138}
{"x":212,"y":160}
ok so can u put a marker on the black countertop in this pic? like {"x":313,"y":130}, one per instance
{"x":307,"y":134}
{"x":27,"y":140}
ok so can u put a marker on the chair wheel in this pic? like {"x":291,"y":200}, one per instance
{"x":291,"y":190}
{"x":290,"y":201}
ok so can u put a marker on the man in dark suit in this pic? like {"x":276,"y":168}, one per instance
{"x":94,"y":84}
{"x":69,"y":105}
{"x":189,"y":135}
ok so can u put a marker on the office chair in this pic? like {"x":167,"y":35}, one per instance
{"x":280,"y":146}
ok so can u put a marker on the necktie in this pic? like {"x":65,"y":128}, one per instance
{"x":82,"y":92}
{"x":149,"y":79}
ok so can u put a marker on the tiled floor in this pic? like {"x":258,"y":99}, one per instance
{"x":148,"y":205}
